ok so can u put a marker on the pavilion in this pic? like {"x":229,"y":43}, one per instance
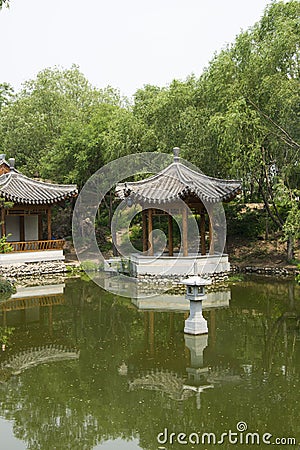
{"x":178,"y":190}
{"x":32,"y":202}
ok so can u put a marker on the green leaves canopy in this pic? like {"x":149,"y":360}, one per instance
{"x":239,"y":119}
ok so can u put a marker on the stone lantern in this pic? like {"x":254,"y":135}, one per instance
{"x":195,"y":293}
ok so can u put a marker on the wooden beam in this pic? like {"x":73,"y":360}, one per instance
{"x":150,"y":229}
{"x":3,"y":227}
{"x":202,"y":232}
{"x":170,"y":235}
{"x":144,"y":229}
{"x":22,"y":228}
{"x":40,"y":226}
{"x":185,"y":231}
{"x":211,"y":236}
{"x":49,"y":230}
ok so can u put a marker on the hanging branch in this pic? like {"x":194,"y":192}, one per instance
{"x":289,"y":140}
{"x":259,"y":181}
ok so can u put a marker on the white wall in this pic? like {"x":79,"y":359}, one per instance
{"x":31,"y":225}
{"x":30,"y":257}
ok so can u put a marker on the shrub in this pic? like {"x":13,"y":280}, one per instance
{"x":6,"y":289}
{"x":5,"y":246}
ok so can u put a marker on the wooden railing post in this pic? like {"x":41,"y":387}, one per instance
{"x":49,"y":223}
{"x":150,"y":236}
{"x":185,"y":230}
{"x":32,"y":246}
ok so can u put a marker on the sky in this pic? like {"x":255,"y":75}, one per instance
{"x":124,"y":44}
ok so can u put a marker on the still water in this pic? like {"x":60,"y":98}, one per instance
{"x":82,"y":369}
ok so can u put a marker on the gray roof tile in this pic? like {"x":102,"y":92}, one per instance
{"x":18,"y":188}
{"x":177,"y":181}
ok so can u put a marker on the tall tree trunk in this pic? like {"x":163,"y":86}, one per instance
{"x":290,"y":248}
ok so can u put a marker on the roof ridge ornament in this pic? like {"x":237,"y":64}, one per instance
{"x":11,"y":163}
{"x":176,"y":151}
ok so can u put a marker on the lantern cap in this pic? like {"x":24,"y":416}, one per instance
{"x":196,"y":281}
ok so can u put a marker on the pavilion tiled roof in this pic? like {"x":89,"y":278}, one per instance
{"x":179,"y":181}
{"x":17,"y":188}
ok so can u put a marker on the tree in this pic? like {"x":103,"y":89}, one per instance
{"x":250,"y":94}
{"x":40,"y":116}
{"x":240,"y":119}
{"x":6,"y":94}
{"x":4,"y":3}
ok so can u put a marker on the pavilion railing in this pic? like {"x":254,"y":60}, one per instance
{"x":15,"y":304}
{"x":34,"y":246}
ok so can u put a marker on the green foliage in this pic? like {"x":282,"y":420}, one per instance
{"x":136,"y":236}
{"x":57,"y":108}
{"x":239,"y":119}
{"x":6,"y":334}
{"x":6,"y":94}
{"x":243,"y":221}
{"x":6,"y":288}
{"x":236,"y":278}
{"x":298,"y":275}
{"x":5,"y":204}
{"x":90,"y":266}
{"x":73,"y":270}
{"x":5,"y":246}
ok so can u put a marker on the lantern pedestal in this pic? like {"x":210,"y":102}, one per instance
{"x":195,"y":293}
{"x":196,"y":324}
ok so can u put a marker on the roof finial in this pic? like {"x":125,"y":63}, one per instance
{"x":11,"y":163}
{"x":176,"y":151}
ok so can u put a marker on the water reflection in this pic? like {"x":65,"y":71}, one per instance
{"x":178,"y":302}
{"x":84,"y":369}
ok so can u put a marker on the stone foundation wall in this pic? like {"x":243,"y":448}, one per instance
{"x":173,"y":282}
{"x":271,"y":271}
{"x":32,"y":269}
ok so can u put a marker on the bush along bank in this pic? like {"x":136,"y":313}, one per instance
{"x":271,"y":271}
{"x":6,"y":288}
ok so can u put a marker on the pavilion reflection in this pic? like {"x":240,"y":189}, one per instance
{"x":31,"y":305}
{"x":197,"y":378}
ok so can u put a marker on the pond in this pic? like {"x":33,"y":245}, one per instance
{"x":83,"y":369}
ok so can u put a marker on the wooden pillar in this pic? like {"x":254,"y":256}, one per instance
{"x":171,"y":325}
{"x":49,"y":231}
{"x":211,"y":236}
{"x":150,"y":229}
{"x":202,"y":232}
{"x":145,"y":236}
{"x":212,"y":328}
{"x":170,"y":235}
{"x":151,"y":333}
{"x":22,"y":228}
{"x":40,"y":226}
{"x":50,"y":319}
{"x":185,"y":231}
{"x":3,"y":227}
{"x":146,"y":329}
